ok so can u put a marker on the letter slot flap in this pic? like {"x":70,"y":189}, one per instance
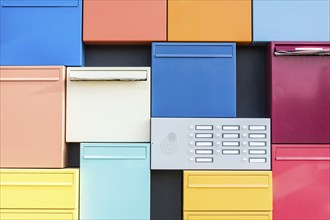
{"x":114,"y":153}
{"x":302,"y":50}
{"x":229,"y":181}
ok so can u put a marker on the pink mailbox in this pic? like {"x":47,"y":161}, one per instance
{"x":301,"y":182}
{"x":300,"y":97}
{"x":32,"y":103}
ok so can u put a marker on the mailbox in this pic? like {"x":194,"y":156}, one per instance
{"x":193,"y":80}
{"x":41,"y":32}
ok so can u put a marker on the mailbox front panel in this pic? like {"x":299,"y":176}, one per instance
{"x":300,"y":85}
{"x":38,"y":214}
{"x":301,"y":177}
{"x":227,"y":215}
{"x":208,"y":20}
{"x":108,"y":104}
{"x":39,"y":188}
{"x":41,"y":32}
{"x":291,"y":20}
{"x":210,"y":143}
{"x":32,"y":128}
{"x":193,"y":80}
{"x":115,"y":181}
{"x":227,"y":191}
{"x":117,"y":21}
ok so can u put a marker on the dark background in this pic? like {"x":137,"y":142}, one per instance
{"x":166,"y":186}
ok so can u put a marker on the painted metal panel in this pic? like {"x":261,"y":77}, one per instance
{"x":227,"y":191}
{"x":299,"y":96}
{"x":39,"y":188}
{"x":291,"y":20}
{"x":227,"y":216}
{"x":208,"y":20}
{"x":116,"y":21}
{"x":115,"y":176}
{"x":32,"y":117}
{"x":194,"y":80}
{"x":41,"y":32}
{"x":301,"y":178}
{"x":108,"y":104}
{"x":38,"y":214}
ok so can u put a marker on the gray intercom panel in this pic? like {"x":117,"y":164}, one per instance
{"x":210,"y":143}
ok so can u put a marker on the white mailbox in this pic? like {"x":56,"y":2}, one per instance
{"x":108,"y":104}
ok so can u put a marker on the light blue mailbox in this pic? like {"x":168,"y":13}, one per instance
{"x":115,"y":181}
{"x":291,"y":20}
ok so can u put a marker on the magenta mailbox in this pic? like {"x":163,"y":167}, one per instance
{"x":300,"y":92}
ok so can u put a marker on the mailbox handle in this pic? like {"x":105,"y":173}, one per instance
{"x":301,"y":50}
{"x":108,"y":76}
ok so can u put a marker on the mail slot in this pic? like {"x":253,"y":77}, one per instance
{"x":37,"y":214}
{"x":32,"y":117}
{"x":227,"y":216}
{"x":108,"y":104}
{"x":117,"y":21}
{"x":194,"y":80}
{"x":299,"y":81}
{"x":39,"y":189}
{"x":301,"y":177}
{"x":41,"y":32}
{"x":291,"y":20}
{"x":208,"y":20}
{"x":227,"y":191}
{"x":115,"y":176}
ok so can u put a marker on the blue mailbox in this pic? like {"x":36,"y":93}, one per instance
{"x":41,"y":32}
{"x":291,"y":20}
{"x":115,"y":181}
{"x":193,"y":80}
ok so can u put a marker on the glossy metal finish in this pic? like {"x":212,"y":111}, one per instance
{"x":301,"y":179}
{"x":300,"y":97}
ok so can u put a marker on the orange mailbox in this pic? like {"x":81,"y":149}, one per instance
{"x":210,"y":20}
{"x":32,"y":104}
{"x":129,"y":21}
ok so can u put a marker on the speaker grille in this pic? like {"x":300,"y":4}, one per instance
{"x":168,"y":145}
